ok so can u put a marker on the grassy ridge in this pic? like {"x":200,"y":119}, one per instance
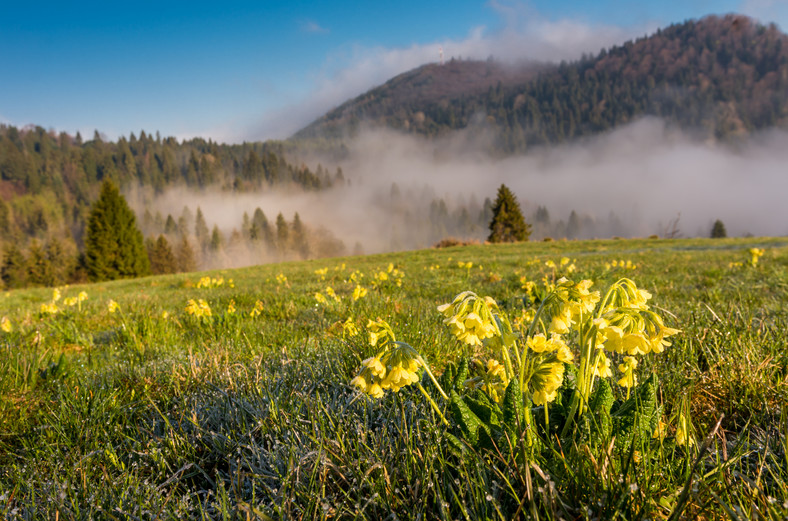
{"x":151,"y":412}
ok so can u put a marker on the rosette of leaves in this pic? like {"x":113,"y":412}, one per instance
{"x":485,"y":425}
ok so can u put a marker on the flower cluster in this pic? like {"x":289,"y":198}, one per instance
{"x":76,"y":301}
{"x":394,"y":367}
{"x":50,"y":308}
{"x":620,"y":264}
{"x":216,"y":282}
{"x":755,"y":255}
{"x":257,"y":309}
{"x":112,"y":306}
{"x":470,"y":318}
{"x":281,"y":279}
{"x":199,"y":308}
{"x":5,"y":325}
{"x":359,"y":292}
{"x":390,"y":277}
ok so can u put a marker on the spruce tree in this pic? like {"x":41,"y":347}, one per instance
{"x":14,"y":268}
{"x":507,"y":224}
{"x":299,"y":234}
{"x":114,"y":246}
{"x":162,"y":260}
{"x":718,"y":230}
{"x":185,"y":257}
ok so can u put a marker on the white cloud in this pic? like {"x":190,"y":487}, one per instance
{"x":525,"y":35}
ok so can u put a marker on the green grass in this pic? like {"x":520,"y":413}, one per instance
{"x":135,"y":416}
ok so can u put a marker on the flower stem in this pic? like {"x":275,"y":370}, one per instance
{"x":432,"y":402}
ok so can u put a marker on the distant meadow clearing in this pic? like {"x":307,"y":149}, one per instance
{"x":631,"y":379}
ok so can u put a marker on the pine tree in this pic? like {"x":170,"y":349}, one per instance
{"x":14,"y":268}
{"x":718,"y":230}
{"x":217,"y":239}
{"x":282,"y":233}
{"x":114,"y":246}
{"x":162,"y":260}
{"x":507,"y":224}
{"x":201,"y":229}
{"x":39,"y":269}
{"x":300,"y":242}
{"x":185,"y":257}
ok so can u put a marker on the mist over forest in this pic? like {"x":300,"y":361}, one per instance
{"x":404,"y":192}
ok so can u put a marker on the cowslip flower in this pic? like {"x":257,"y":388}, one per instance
{"x":629,"y":378}
{"x":5,"y":325}
{"x":349,"y":327}
{"x":112,"y":306}
{"x":257,"y":309}
{"x":49,"y":308}
{"x":359,"y":292}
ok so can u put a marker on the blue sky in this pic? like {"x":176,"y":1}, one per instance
{"x":236,"y":71}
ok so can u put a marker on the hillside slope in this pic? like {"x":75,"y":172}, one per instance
{"x":721,"y":76}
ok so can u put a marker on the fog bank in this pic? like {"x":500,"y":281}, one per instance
{"x":638,"y":180}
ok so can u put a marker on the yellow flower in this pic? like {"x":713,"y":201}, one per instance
{"x":496,"y":369}
{"x":562,"y":322}
{"x":537,"y":343}
{"x":50,"y":308}
{"x":165,"y":315}
{"x":70,"y":301}
{"x":258,"y":308}
{"x":349,"y":327}
{"x":112,"y":306}
{"x":5,"y":325}
{"x":628,"y":369}
{"x":321,"y":273}
{"x":330,"y":293}
{"x":546,"y":380}
{"x":375,"y":366}
{"x":320,"y":298}
{"x":82,"y":296}
{"x":231,"y":307}
{"x":359,"y":292}
{"x":55,"y":295}
{"x":683,"y":436}
{"x":602,"y":368}
{"x":281,"y":279}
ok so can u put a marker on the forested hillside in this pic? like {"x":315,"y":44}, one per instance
{"x":48,"y":182}
{"x":719,"y":76}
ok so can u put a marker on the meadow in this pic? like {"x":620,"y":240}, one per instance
{"x":233,"y":394}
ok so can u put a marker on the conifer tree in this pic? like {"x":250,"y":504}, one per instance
{"x":217,"y":239}
{"x":299,"y":233}
{"x":162,"y":260}
{"x":114,"y":246}
{"x":282,"y":233}
{"x":507,"y":224}
{"x":718,"y":230}
{"x":201,"y":229}
{"x":14,"y":268}
{"x":185,"y":258}
{"x":39,"y":269}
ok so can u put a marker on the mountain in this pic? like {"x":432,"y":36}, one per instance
{"x":719,"y":76}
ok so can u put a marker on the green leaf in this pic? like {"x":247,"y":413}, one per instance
{"x":468,"y":422}
{"x":462,"y":374}
{"x":513,"y":409}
